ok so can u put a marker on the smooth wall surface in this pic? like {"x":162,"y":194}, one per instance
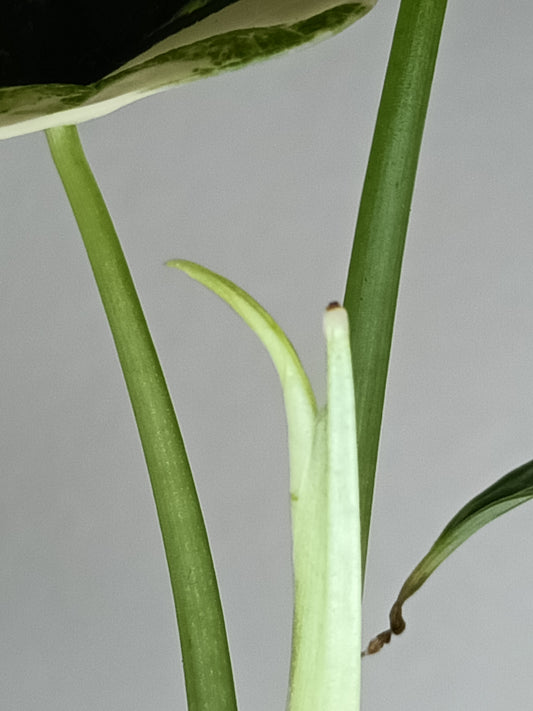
{"x":257,"y":175}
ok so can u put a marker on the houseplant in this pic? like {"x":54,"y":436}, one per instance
{"x":289,"y":332}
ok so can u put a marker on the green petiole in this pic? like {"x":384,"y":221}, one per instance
{"x":206,"y":661}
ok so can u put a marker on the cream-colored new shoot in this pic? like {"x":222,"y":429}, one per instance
{"x":325,"y":664}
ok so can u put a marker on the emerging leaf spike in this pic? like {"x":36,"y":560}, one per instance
{"x":325,"y":663}
{"x":335,"y":319}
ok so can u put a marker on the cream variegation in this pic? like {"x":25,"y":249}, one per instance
{"x":242,"y":32}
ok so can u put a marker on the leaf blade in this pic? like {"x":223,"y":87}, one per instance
{"x":243,"y":32}
{"x":505,"y":494}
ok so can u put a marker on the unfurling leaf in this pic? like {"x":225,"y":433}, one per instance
{"x":325,"y":664}
{"x":505,"y":494}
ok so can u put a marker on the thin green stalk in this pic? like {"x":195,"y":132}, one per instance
{"x":206,"y":660}
{"x":374,"y":274}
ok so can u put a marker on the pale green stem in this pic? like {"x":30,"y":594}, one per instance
{"x":206,"y":660}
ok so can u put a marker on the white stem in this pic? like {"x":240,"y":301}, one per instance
{"x":326,"y":663}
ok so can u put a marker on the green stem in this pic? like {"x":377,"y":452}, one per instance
{"x":374,"y":274}
{"x":206,"y":660}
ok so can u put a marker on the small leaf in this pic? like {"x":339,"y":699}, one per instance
{"x":60,"y":67}
{"x":505,"y":494}
{"x":299,"y":398}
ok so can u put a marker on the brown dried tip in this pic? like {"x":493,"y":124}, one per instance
{"x":397,"y":626}
{"x":376,"y":644}
{"x":333,"y":305}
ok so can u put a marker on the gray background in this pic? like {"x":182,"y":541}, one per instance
{"x":257,"y":175}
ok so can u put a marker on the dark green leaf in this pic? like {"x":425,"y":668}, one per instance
{"x":505,"y":494}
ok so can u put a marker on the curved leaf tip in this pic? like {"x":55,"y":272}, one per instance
{"x":300,"y":403}
{"x":506,"y":493}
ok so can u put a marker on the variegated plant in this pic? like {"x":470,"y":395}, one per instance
{"x":202,"y":38}
{"x":87,"y":65}
{"x":132,"y":51}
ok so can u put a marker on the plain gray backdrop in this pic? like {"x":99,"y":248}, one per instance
{"x":257,"y":175}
